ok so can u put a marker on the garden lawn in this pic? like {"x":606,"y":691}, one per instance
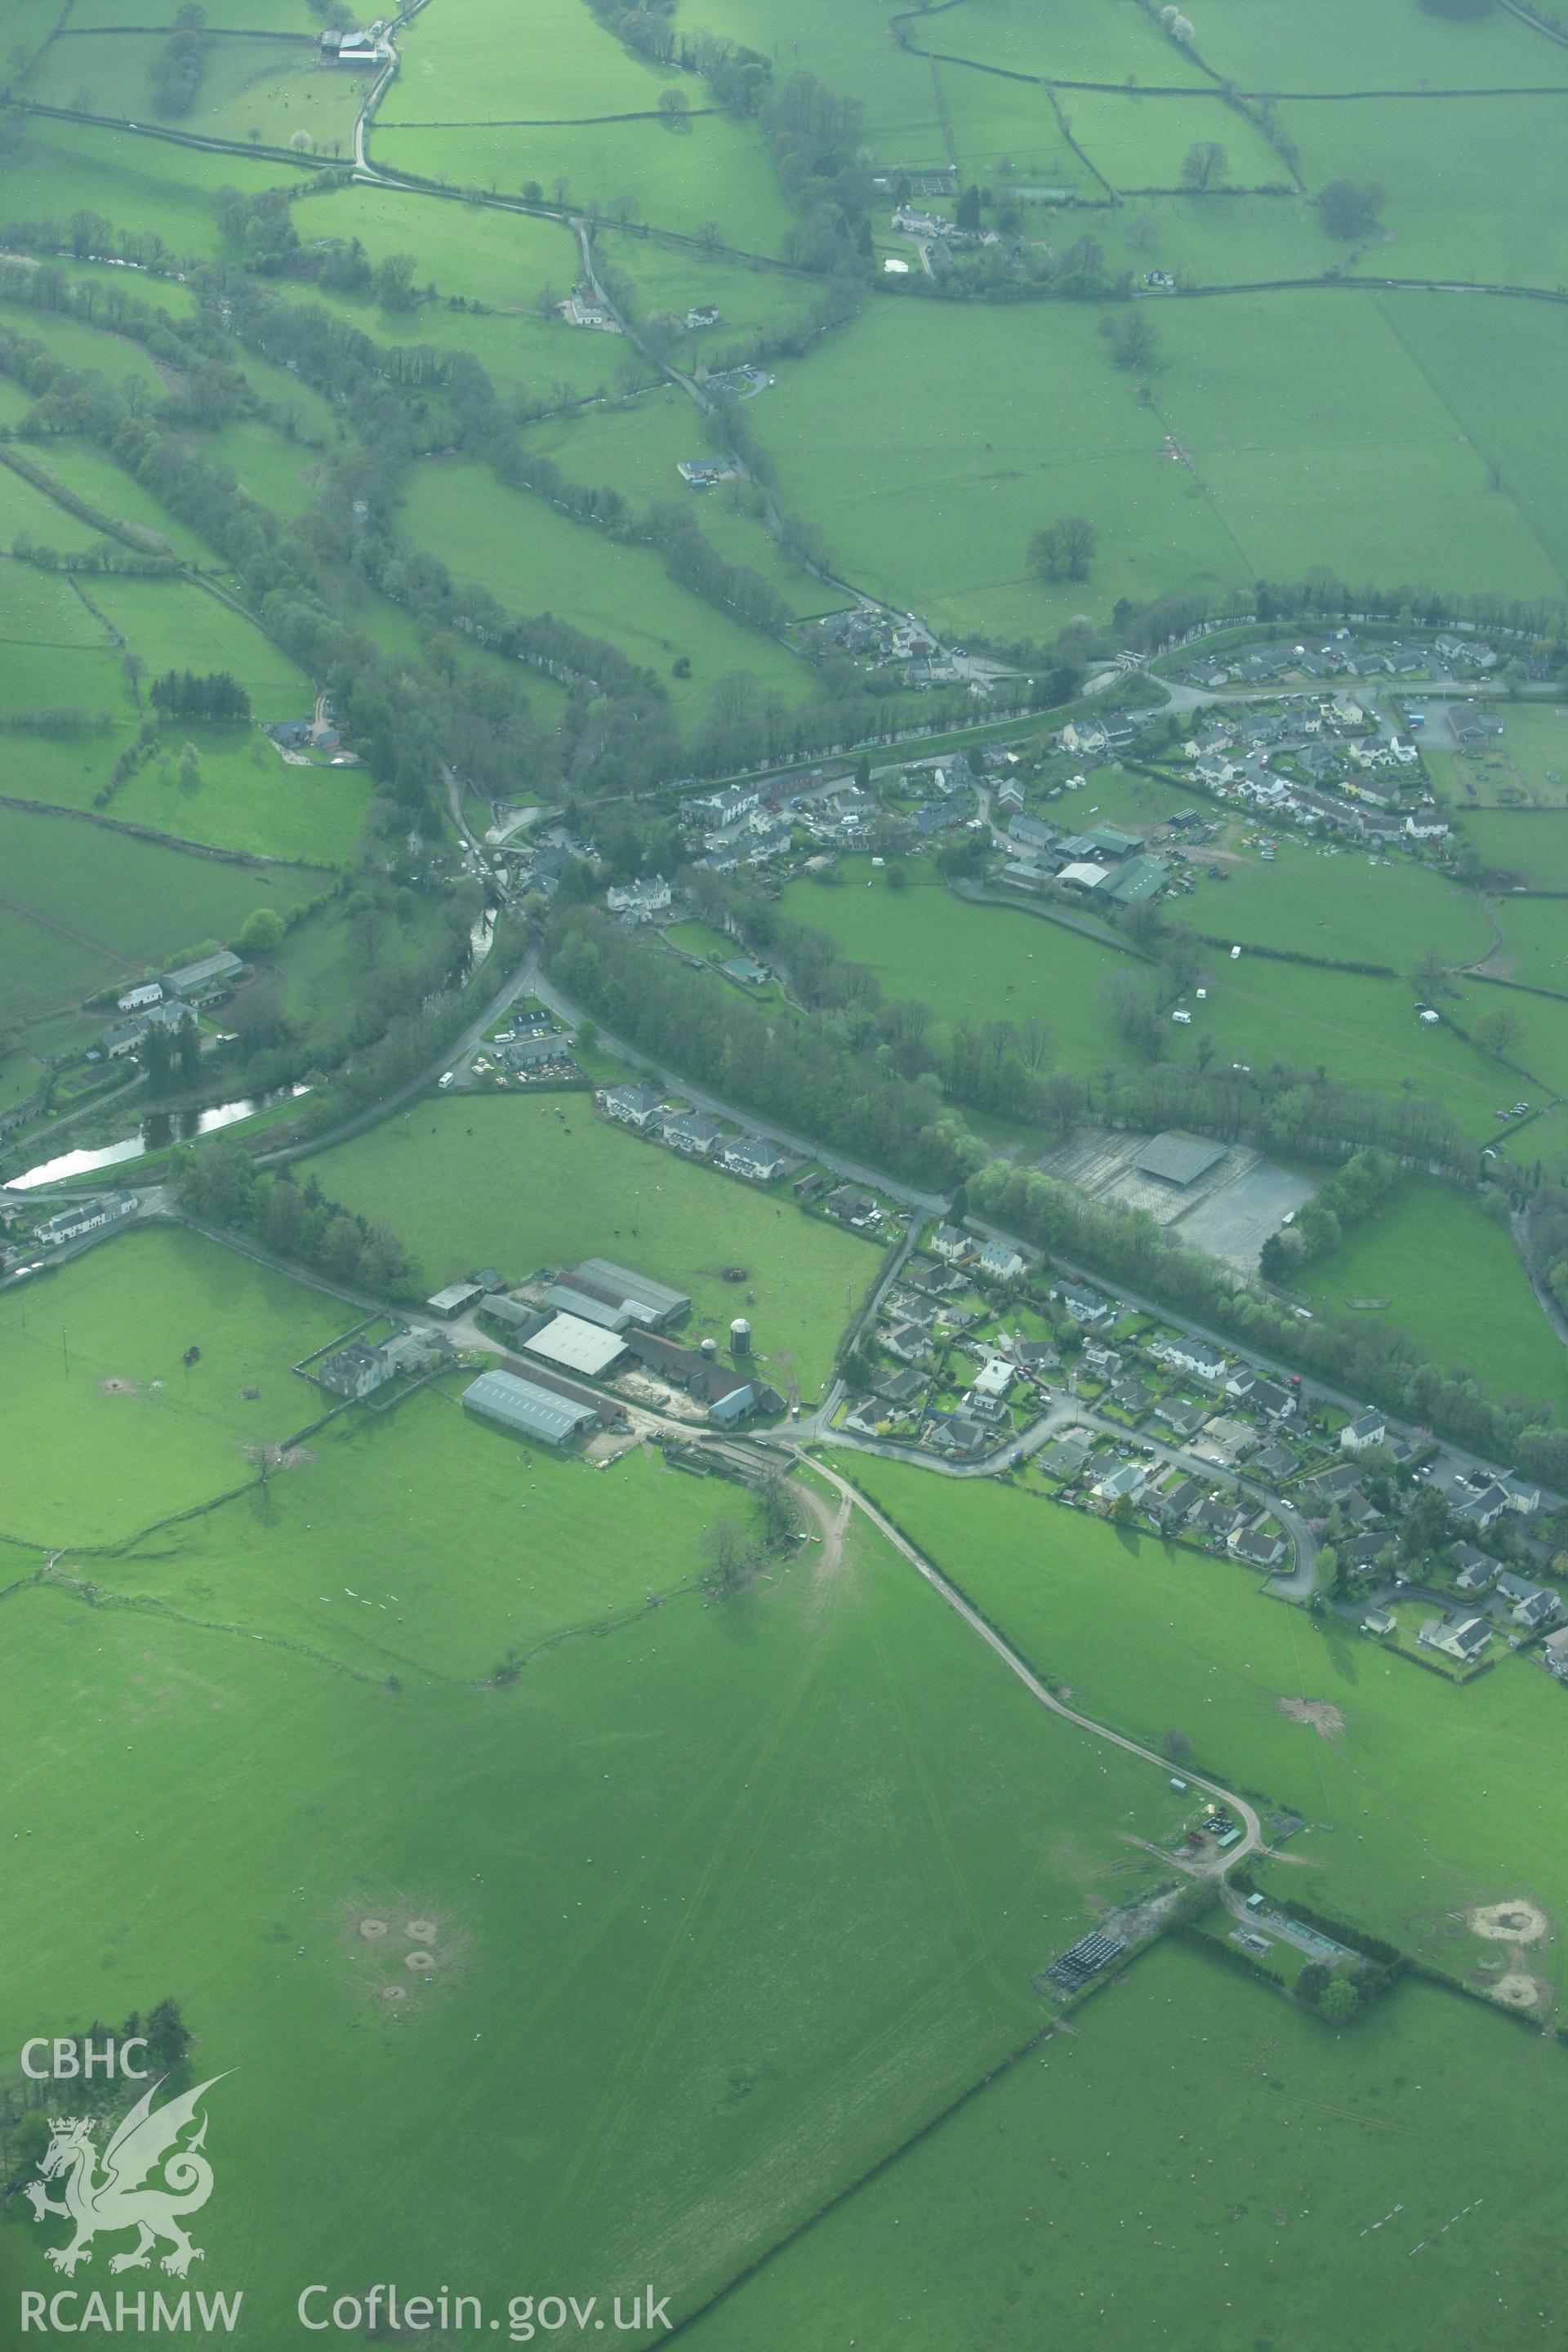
{"x":1431,"y":1800}
{"x":727,"y":1903}
{"x":1452,"y":1275}
{"x":547,"y":1181}
{"x":1322,"y":2159}
{"x":178,"y":1435}
{"x":537,"y":559}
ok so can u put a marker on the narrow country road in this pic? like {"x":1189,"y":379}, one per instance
{"x":1252,"y":1839}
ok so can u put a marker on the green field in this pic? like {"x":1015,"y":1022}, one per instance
{"x":170,"y":623}
{"x":1527,"y":846}
{"x":537,"y":559}
{"x":1431,"y":1800}
{"x":91,"y":1362}
{"x":990,"y":963}
{"x":280,"y":93}
{"x":1535,"y":947}
{"x":674,"y":280}
{"x":1342,"y":47}
{"x":466,"y":64}
{"x":1099,"y":41}
{"x":88,"y":473}
{"x":1348,"y":908}
{"x":1256,"y":2158}
{"x":1453,"y":1277}
{"x":145,"y":186}
{"x":28,"y":514}
{"x":1139,"y":142}
{"x":807,"y":1849}
{"x":716,"y":169}
{"x":519,"y":1191}
{"x":846,"y":42}
{"x":247,"y":798}
{"x":86,"y":905}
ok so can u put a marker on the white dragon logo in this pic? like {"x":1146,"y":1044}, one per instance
{"x":118,"y":2197}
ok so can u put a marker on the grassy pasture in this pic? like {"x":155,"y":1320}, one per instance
{"x":25,"y":513}
{"x":501,"y":258}
{"x":1530,"y":845}
{"x":334,"y":1554}
{"x":1473,"y":187}
{"x":989,"y":963}
{"x":520,"y":350}
{"x":43,"y":611}
{"x":939,"y":514}
{"x":1431,"y":1800}
{"x":537,"y":559}
{"x":468,"y":65}
{"x":1223,"y":240}
{"x":1104,"y":41}
{"x":140,"y":183}
{"x":1543,"y":1046}
{"x":519,"y":1192}
{"x":1489,"y":383}
{"x":109,"y":899}
{"x":249,"y":86}
{"x":269,"y":467}
{"x":1344,"y":47}
{"x":130,"y":1310}
{"x":92,"y":476}
{"x":1453,"y":1277}
{"x":247,"y":798}
{"x":1139,"y":142}
{"x":1535,"y":943}
{"x":1321,"y":441}
{"x":717,"y":169}
{"x":761,"y":1985}
{"x":1346,"y":909}
{"x":993,"y":122}
{"x":222,"y":16}
{"x":848,"y":44}
{"x":56,"y":677}
{"x":675,"y":279}
{"x":77,"y":345}
{"x":173,"y":624}
{"x":1008,"y":2202}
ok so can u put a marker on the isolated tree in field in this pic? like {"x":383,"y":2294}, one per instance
{"x":728,"y":1550}
{"x":262,"y":932}
{"x":967,"y":213}
{"x":1063,"y":550}
{"x":1340,"y":2001}
{"x":391,"y":282}
{"x":1177,"y":1747}
{"x":675,"y":107}
{"x":1432,"y":975}
{"x":711,"y":234}
{"x":1135,"y":342}
{"x":1349,"y":208}
{"x":1204,"y":165}
{"x":1499,"y":1032}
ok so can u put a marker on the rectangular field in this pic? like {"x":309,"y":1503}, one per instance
{"x":92,"y":1370}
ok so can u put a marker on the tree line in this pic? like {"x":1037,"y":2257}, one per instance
{"x":221,"y":1185}
{"x":215,"y":695}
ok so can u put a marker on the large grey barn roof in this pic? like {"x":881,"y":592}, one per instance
{"x":608,"y":1275}
{"x":518,"y":1404}
{"x":1179,"y":1159}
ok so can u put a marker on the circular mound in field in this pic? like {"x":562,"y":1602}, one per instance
{"x":419,"y":1961}
{"x":371,"y":1928}
{"x":393,"y":1993}
{"x":1516,"y":1990}
{"x":421,"y":1931}
{"x":114,"y":1386}
{"x":733,"y":1273}
{"x":1517,"y":1921}
{"x":1318,"y":1712}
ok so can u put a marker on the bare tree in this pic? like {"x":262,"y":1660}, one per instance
{"x":1204,"y":165}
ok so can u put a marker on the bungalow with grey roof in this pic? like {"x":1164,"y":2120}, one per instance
{"x":694,"y":1133}
{"x":1528,"y":1604}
